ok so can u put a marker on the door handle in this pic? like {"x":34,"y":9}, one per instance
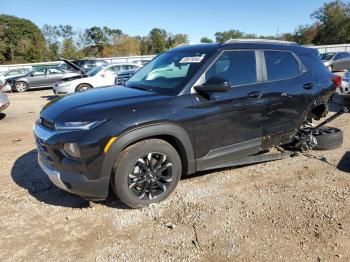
{"x":308,"y":86}
{"x":255,"y":94}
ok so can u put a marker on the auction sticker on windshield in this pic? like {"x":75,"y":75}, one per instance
{"x":191,"y":59}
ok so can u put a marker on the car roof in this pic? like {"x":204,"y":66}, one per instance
{"x":241,"y":44}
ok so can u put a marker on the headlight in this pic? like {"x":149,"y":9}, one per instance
{"x":87,"y":125}
{"x":72,"y":150}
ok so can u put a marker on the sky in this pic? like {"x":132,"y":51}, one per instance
{"x":195,"y":18}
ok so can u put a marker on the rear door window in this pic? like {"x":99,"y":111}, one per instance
{"x":281,"y":65}
{"x":239,"y":67}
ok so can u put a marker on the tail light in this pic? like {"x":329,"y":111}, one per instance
{"x":336,"y":80}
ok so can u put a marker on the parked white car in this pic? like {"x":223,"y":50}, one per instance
{"x":344,"y":89}
{"x":101,"y":76}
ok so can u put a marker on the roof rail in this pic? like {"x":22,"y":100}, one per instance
{"x":259,"y":40}
{"x":182,"y":44}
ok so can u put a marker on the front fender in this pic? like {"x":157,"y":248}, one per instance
{"x":140,"y":133}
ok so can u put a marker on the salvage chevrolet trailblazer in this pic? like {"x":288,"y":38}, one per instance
{"x":192,"y":108}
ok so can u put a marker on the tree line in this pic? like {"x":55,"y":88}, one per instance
{"x":22,"y":41}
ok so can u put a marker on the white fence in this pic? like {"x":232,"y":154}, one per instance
{"x":332,"y":48}
{"x":131,"y":59}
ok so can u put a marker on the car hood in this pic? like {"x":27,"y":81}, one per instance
{"x":66,"y":79}
{"x":96,"y":103}
{"x":74,"y":66}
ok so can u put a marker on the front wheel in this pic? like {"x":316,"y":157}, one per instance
{"x":83,"y":88}
{"x":146,"y":172}
{"x":21,"y":86}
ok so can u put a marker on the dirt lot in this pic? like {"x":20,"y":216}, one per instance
{"x":292,"y":209}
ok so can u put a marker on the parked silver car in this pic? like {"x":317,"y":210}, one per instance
{"x":4,"y":101}
{"x":336,"y":61}
{"x":39,"y":78}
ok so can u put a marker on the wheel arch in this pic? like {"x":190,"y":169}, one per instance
{"x":23,"y":80}
{"x":171,"y":133}
{"x":82,"y":84}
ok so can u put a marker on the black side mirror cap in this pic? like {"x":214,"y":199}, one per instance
{"x":214,"y":84}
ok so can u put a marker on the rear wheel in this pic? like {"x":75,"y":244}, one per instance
{"x":21,"y":86}
{"x":328,"y":138}
{"x":83,"y":87}
{"x":146,"y":172}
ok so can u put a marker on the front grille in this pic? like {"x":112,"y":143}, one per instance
{"x":48,"y":124}
{"x":121,"y":79}
{"x":42,"y":150}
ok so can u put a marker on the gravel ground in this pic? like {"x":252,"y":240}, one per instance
{"x":292,"y":209}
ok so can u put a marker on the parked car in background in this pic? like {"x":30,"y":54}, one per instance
{"x":336,"y":61}
{"x":124,"y":76}
{"x":4,"y":101}
{"x":344,"y":88}
{"x":88,"y":64}
{"x":15,"y":72}
{"x":98,"y":77}
{"x":38,"y":78}
{"x":224,"y":102}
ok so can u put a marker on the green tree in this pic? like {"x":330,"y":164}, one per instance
{"x":125,"y":45}
{"x":158,"y":40}
{"x":145,"y":45}
{"x":22,"y":39}
{"x":69,"y":51}
{"x":334,"y":23}
{"x":222,"y":37}
{"x":175,"y":40}
{"x":205,"y":39}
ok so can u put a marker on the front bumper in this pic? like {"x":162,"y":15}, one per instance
{"x":62,"y":90}
{"x":77,"y":184}
{"x":68,"y":175}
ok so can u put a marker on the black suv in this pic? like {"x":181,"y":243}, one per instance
{"x":192,"y":108}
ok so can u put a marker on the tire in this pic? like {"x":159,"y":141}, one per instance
{"x":83,"y":88}
{"x":21,"y":86}
{"x":131,"y":182}
{"x":328,"y":138}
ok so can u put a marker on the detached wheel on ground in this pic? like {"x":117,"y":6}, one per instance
{"x":83,"y":87}
{"x":21,"y":86}
{"x":328,"y":138}
{"x":146,"y":172}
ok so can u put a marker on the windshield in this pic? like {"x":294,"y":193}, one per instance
{"x":326,"y":56}
{"x":95,"y":71}
{"x":168,"y":73}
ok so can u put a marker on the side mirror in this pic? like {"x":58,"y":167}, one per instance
{"x":32,"y":74}
{"x":214,"y":84}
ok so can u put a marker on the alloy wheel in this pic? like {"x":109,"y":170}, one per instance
{"x":150,"y":176}
{"x":21,"y":87}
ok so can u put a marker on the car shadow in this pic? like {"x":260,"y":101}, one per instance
{"x":337,"y":103}
{"x":49,"y":98}
{"x":27,"y":174}
{"x":2,"y":116}
{"x":344,"y":163}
